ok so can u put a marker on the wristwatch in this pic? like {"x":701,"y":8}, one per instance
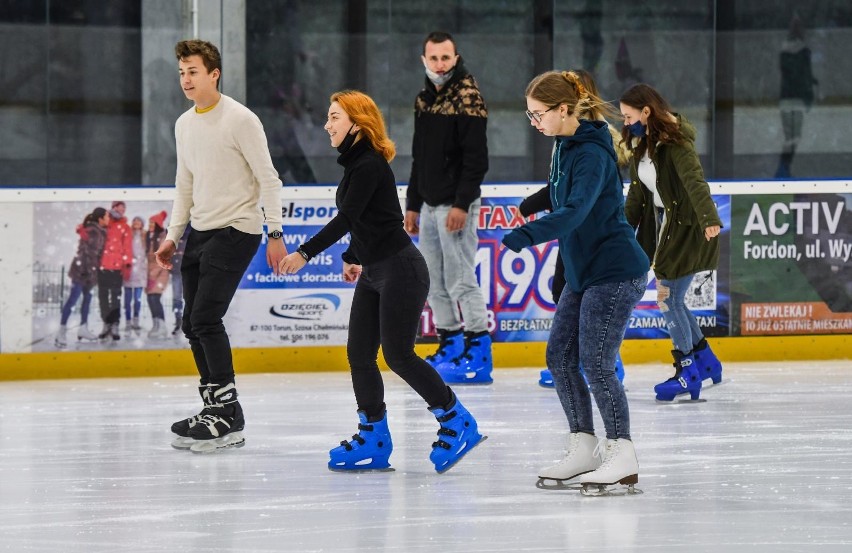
{"x":275,"y":234}
{"x":303,"y":253}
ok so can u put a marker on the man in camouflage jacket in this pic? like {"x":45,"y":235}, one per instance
{"x":450,"y":159}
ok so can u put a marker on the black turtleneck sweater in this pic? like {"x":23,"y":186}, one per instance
{"x":368,"y":209}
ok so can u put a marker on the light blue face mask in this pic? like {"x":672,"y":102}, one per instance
{"x":439,"y":80}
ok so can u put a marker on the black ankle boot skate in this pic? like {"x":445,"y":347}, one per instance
{"x":222,"y":423}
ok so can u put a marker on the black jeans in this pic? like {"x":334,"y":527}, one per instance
{"x":386,"y":310}
{"x":109,"y":295}
{"x":213,"y":265}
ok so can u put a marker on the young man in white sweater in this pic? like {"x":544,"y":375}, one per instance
{"x":226,"y":186}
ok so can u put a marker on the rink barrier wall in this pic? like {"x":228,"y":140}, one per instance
{"x":173,"y":362}
{"x":116,"y":364}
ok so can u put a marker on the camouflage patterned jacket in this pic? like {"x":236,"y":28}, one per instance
{"x":450,"y":151}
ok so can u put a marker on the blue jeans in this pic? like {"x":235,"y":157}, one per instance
{"x":682,"y":325}
{"x":132,"y":301}
{"x":76,"y":291}
{"x":450,"y":258}
{"x":588,"y":329}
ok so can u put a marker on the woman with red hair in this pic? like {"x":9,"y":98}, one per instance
{"x":392,"y":283}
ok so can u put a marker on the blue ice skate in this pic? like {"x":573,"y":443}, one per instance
{"x":708,"y":364}
{"x":456,"y":437}
{"x":687,"y":379}
{"x":474,"y":365}
{"x":369,"y":449}
{"x":451,"y":345}
{"x":546,"y":377}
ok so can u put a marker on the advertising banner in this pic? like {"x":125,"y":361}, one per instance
{"x":517,"y":286}
{"x":785,"y":269}
{"x":64,"y":279}
{"x":312,"y":307}
{"x":791,"y":271}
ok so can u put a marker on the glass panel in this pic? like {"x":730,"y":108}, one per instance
{"x":297,"y":53}
{"x":791,"y":89}
{"x":82,"y":102}
{"x":667,"y":44}
{"x":95,"y":93}
{"x":70,"y":98}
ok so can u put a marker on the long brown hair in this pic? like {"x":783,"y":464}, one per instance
{"x":660,"y":126}
{"x":364,"y":112}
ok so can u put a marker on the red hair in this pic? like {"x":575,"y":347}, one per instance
{"x":364,"y":112}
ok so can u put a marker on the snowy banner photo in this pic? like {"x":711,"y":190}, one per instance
{"x":69,"y":308}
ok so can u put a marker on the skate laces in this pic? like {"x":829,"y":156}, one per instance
{"x":606,"y":449}
{"x":573,"y":443}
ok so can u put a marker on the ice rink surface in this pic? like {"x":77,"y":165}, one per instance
{"x":765,"y":464}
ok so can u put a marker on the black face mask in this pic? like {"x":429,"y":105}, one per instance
{"x":348,"y":141}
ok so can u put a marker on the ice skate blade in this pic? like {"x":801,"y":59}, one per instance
{"x":609,"y":490}
{"x":555,"y":485}
{"x":680,"y":401}
{"x":468,"y":382}
{"x":183,"y":443}
{"x":361,"y":470}
{"x":462,"y":456}
{"x":228,"y":441}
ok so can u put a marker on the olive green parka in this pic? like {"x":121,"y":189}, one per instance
{"x":682,"y":249}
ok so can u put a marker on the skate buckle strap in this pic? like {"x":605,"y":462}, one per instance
{"x":210,"y":422}
{"x":447,"y":416}
{"x":444,"y":431}
{"x":442,"y":348}
{"x":357,"y":437}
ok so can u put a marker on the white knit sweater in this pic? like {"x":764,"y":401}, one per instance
{"x":224,"y":172}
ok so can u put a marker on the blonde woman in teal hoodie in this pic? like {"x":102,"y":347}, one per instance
{"x":606,"y":274}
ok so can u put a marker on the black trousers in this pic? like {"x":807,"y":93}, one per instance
{"x":558,"y":279}
{"x":213,"y":265}
{"x":386,"y":309}
{"x":109,"y":295}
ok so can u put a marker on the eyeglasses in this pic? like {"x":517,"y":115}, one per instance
{"x":537,"y":116}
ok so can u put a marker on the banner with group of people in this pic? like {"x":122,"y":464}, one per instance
{"x":785,"y":269}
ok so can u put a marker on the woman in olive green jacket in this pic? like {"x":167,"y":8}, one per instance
{"x":677,"y":224}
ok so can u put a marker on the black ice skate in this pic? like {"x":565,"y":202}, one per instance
{"x":183,"y":426}
{"x":222,"y":424}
